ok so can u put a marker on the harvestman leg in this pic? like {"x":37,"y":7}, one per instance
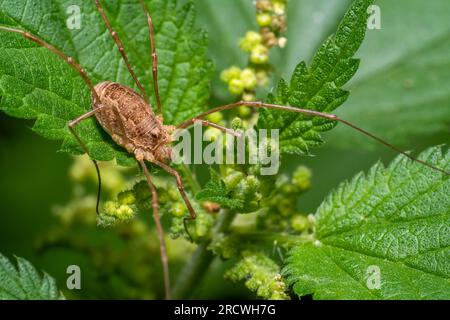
{"x":207,"y":123}
{"x":180,"y":185}
{"x":72,"y":125}
{"x":121,"y":48}
{"x":159,"y":228}
{"x":258,"y":104}
{"x":86,"y":79}
{"x":154,"y":56}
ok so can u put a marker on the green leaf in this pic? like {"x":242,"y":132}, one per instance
{"x":394,"y":219}
{"x":25,"y":282}
{"x":216,"y":191}
{"x":318,"y":87}
{"x":36,"y":84}
{"x":261,"y":274}
{"x":401,"y":90}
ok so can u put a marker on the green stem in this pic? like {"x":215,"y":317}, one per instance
{"x":192,"y":272}
{"x":200,"y":260}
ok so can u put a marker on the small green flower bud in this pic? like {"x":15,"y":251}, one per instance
{"x":299,"y":223}
{"x":264,"y":19}
{"x":262,"y":77}
{"x":173,"y":194}
{"x":215,"y":117}
{"x":252,"y":182}
{"x":248,"y":78}
{"x":178,"y":209}
{"x":259,"y":55}
{"x":203,"y":225}
{"x":302,"y":178}
{"x":250,"y":41}
{"x":230,"y":74}
{"x":114,"y":213}
{"x":286,"y":207}
{"x":232,"y":179}
{"x":279,"y":7}
{"x":125,"y":212}
{"x":177,"y":229}
{"x":236,"y":86}
{"x":237,"y":124}
{"x":110,"y":208}
{"x":248,"y":190}
{"x":126,"y":197}
{"x":163,"y":198}
{"x":244,"y":112}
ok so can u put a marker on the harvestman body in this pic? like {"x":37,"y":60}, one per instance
{"x":130,"y":120}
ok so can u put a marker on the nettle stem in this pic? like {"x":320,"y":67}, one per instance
{"x":201,"y":259}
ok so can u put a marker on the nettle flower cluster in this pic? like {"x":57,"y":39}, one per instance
{"x":271,"y":19}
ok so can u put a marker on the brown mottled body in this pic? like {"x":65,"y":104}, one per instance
{"x":131,"y":122}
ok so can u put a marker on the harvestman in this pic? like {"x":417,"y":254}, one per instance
{"x":129,"y":118}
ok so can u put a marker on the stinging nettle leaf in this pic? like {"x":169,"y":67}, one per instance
{"x":318,"y":87}
{"x":25,"y":282}
{"x":36,"y":84}
{"x":404,"y":83}
{"x":384,"y":235}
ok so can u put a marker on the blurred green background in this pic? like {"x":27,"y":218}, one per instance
{"x":401,"y":92}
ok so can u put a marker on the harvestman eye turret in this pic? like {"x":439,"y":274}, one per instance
{"x":130,"y":120}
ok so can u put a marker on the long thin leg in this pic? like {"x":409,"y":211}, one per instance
{"x":160,"y":231}
{"x":258,"y":104}
{"x":58,"y":52}
{"x":207,"y":123}
{"x":180,"y":185}
{"x":120,"y":46}
{"x":154,"y":56}
{"x":72,"y":125}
